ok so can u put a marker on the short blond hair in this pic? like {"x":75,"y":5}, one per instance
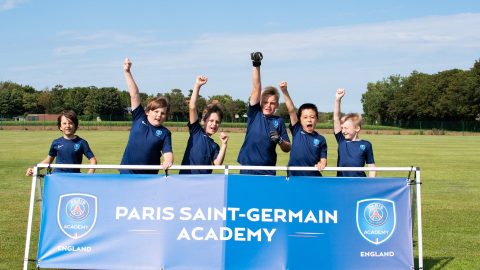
{"x":356,"y":119}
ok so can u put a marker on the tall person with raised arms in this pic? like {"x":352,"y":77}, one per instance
{"x":264,"y":129}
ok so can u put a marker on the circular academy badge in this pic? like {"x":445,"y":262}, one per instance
{"x":375,"y":214}
{"x":77,"y":208}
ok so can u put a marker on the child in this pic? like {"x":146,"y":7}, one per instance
{"x":70,"y":148}
{"x":352,"y":152}
{"x":148,"y":138}
{"x":309,"y":147}
{"x":264,"y":130}
{"x":201,"y":149}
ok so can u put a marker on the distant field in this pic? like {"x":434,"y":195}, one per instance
{"x":450,"y":190}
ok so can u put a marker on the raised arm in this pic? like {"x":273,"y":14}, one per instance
{"x":192,"y":106}
{"x":289,"y":103}
{"x":337,"y":127}
{"x":256,"y":79}
{"x":132,"y":86}
{"x":223,"y":149}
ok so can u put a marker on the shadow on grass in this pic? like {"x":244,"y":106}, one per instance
{"x":430,"y":263}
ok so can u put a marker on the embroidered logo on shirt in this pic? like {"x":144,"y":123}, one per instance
{"x":158,"y":133}
{"x":362,"y":147}
{"x":316,"y":142}
{"x":275,"y":123}
{"x":76,"y":147}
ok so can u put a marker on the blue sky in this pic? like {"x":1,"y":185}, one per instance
{"x":317,"y":46}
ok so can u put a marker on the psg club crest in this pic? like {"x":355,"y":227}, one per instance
{"x":76,"y":214}
{"x":376,"y":219}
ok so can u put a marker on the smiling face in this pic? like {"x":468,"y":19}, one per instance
{"x":308,"y":120}
{"x":350,"y":130}
{"x":212,"y":124}
{"x":67,"y":127}
{"x":157,"y":117}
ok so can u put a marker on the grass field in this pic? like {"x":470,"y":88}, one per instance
{"x":450,"y":192}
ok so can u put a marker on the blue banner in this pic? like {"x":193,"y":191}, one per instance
{"x":107,"y":221}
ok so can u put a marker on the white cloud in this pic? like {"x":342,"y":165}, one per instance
{"x":409,"y":37}
{"x":320,"y":59}
{"x":10,"y":4}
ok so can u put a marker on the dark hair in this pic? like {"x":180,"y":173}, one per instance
{"x":158,"y":102}
{"x":307,"y":106}
{"x":212,"y":108}
{"x":69,"y":114}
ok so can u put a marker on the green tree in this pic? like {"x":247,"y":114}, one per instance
{"x":378,"y":103}
{"x":178,"y":105}
{"x":104,"y":102}
{"x":230,"y":107}
{"x":74,"y":98}
{"x":30,"y":103}
{"x":282,"y":111}
{"x":11,"y":99}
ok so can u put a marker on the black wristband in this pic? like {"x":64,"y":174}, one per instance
{"x":256,"y":63}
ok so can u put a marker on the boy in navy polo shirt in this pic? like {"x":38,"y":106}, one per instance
{"x":201,"y":149}
{"x":352,"y":151}
{"x":308,"y":147}
{"x":264,"y":130}
{"x":148,"y":138}
{"x":70,"y":148}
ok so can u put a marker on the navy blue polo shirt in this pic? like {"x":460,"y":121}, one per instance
{"x":69,"y":152}
{"x":258,"y":149}
{"x":201,"y":149}
{"x":146,"y":143}
{"x":353,"y":154}
{"x":307,"y":150}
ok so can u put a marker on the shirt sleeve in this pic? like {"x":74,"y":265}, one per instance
{"x":216,"y":150}
{"x":52,"y":152}
{"x":323,"y":149}
{"x":339,"y":137}
{"x":86,"y":150}
{"x":283,"y":130}
{"x":167,"y":145}
{"x":295,"y":128}
{"x":369,"y":159}
{"x":138,"y":113}
{"x":195,"y":127}
{"x":253,"y":110}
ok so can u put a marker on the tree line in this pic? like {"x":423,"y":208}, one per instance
{"x":92,"y":102}
{"x":451,"y":95}
{"x":110,"y":103}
